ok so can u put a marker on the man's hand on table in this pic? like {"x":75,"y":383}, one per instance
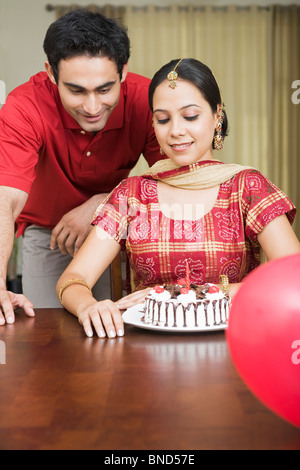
{"x":9,"y":301}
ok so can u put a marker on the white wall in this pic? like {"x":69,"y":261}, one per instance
{"x":22,"y":29}
{"x":23,"y":24}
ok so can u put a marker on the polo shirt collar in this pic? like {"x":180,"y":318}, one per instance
{"x":115,"y":120}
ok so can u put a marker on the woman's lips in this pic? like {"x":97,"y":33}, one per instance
{"x":181,"y":147}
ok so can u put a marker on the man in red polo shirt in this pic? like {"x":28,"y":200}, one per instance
{"x":67,"y":138}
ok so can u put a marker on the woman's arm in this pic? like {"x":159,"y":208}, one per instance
{"x":277,"y":240}
{"x":95,"y":255}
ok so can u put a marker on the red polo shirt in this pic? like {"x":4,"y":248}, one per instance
{"x":44,"y":152}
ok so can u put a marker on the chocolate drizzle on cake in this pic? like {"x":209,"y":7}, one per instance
{"x":175,"y":312}
{"x":205,"y":304}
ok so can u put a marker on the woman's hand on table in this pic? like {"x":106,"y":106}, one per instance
{"x":133,"y":299}
{"x":104,"y":316}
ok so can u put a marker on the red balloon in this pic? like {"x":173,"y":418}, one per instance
{"x":264,"y":335}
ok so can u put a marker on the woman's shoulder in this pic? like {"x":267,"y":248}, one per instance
{"x":137,"y":187}
{"x":249,"y":179}
{"x":257,"y":193}
{"x":254,"y":182}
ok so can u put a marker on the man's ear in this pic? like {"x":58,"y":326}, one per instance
{"x":124,"y":72}
{"x":50,"y":72}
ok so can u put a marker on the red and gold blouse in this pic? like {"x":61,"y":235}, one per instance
{"x":224,"y":241}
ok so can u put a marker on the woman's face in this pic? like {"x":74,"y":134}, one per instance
{"x":184,"y":122}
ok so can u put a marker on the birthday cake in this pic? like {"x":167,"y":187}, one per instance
{"x":187,"y":305}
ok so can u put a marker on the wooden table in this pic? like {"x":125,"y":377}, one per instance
{"x":145,"y":391}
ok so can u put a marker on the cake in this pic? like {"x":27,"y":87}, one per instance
{"x":179,"y":306}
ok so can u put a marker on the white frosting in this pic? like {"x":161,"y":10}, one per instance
{"x":216,"y":295}
{"x":162,"y":296}
{"x":187,"y":298}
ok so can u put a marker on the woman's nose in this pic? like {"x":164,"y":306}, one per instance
{"x":177,"y":127}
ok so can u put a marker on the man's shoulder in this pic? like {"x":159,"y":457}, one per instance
{"x":136,"y":79}
{"x":29,"y":101}
{"x":135,"y":83}
{"x":36,"y":93}
{"x":38,"y":81}
{"x":135,"y":92}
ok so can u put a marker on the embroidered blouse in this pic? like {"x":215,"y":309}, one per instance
{"x":224,"y":241}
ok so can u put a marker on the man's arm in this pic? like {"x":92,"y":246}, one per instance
{"x":74,"y":227}
{"x":12,"y":202}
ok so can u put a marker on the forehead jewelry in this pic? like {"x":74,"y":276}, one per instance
{"x":172,"y":76}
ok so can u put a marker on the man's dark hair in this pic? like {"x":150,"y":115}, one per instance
{"x":82,"y":32}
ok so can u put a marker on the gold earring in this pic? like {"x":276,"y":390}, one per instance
{"x":218,"y":138}
{"x":161,"y":151}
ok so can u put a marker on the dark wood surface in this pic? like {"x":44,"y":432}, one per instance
{"x":145,"y":391}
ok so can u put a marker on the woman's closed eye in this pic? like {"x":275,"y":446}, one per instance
{"x":191,"y":118}
{"x":163,"y":121}
{"x":187,"y":118}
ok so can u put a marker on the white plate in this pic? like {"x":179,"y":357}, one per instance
{"x":133,"y":316}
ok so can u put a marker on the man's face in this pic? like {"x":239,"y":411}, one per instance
{"x":89,"y":89}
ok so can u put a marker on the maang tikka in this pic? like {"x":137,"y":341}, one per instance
{"x":173,"y":76}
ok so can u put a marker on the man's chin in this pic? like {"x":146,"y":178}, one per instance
{"x":92,"y":127}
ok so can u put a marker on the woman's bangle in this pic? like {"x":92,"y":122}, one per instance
{"x":68,"y":283}
{"x":224,"y":283}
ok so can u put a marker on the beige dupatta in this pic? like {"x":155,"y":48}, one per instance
{"x":200,"y":175}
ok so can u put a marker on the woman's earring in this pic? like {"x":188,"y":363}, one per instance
{"x":218,"y":138}
{"x":161,"y":151}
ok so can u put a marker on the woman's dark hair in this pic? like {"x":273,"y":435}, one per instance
{"x":199,"y":75}
{"x":82,"y":32}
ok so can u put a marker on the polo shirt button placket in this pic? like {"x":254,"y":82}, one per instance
{"x":88,"y":162}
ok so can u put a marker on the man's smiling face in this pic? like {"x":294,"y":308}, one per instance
{"x":89,"y":89}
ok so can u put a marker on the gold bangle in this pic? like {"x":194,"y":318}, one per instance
{"x":68,"y":283}
{"x":224,"y":283}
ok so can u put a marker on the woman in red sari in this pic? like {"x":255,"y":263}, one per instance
{"x":188,"y":207}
